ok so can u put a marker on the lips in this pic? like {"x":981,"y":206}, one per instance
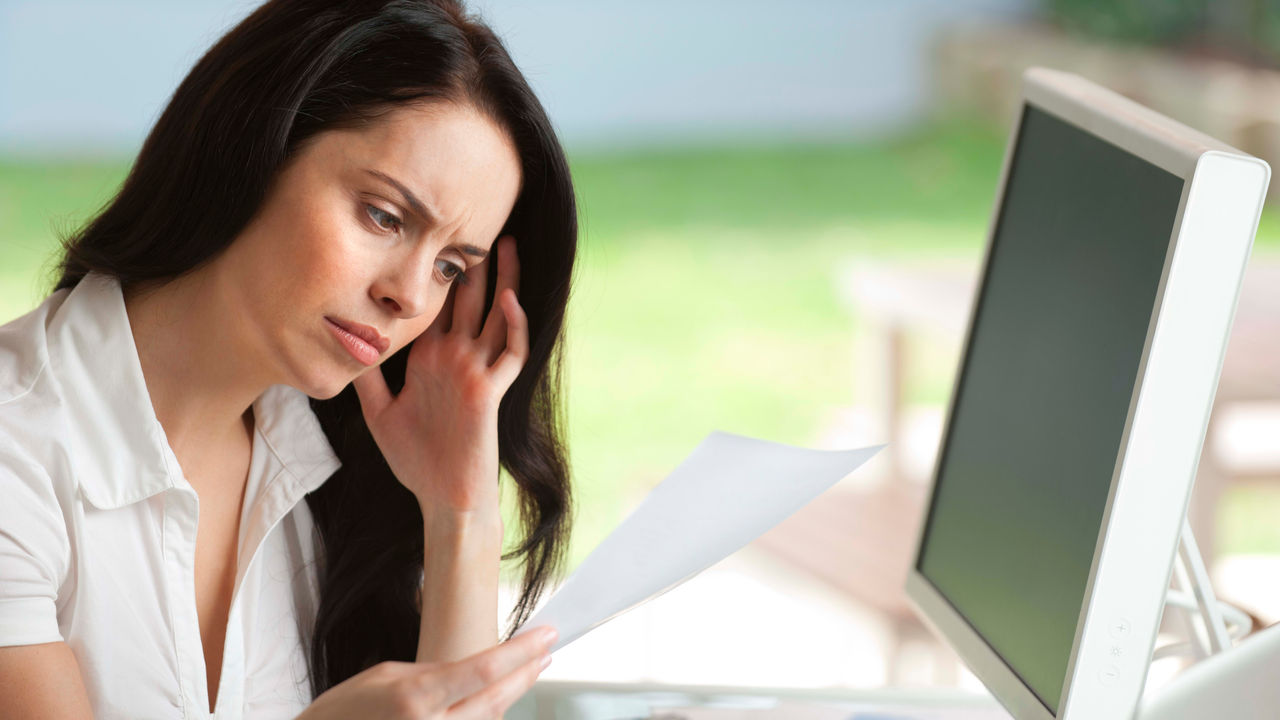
{"x":364,"y":332}
{"x":362,"y":342}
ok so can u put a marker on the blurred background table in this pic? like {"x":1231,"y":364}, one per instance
{"x":935,"y":299}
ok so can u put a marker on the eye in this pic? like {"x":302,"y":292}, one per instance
{"x":453,"y":271}
{"x":380,"y":216}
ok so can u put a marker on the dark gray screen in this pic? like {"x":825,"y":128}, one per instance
{"x":1044,"y":391}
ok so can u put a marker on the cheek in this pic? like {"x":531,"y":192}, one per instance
{"x":304,"y":265}
{"x":419,"y":325}
{"x":322,"y":247}
{"x":328,"y":260}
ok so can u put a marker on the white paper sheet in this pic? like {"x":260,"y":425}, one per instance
{"x":730,"y":490}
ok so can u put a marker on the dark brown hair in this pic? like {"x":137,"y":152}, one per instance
{"x":290,"y":70}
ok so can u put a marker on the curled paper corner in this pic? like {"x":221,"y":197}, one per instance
{"x":730,"y":490}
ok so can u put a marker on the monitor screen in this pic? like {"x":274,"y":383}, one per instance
{"x":1036,"y":425}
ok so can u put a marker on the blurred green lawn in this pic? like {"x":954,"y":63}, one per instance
{"x":706,"y":293}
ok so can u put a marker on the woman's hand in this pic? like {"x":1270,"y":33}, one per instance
{"x":440,"y":433}
{"x":481,"y":686}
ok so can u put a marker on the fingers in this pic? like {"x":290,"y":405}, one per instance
{"x":490,"y":674}
{"x":494,"y":336}
{"x":512,"y":359}
{"x":444,"y":319}
{"x":470,"y":301}
{"x":511,"y":278}
{"x":498,"y":697}
{"x":504,"y":340}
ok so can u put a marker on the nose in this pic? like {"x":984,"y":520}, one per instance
{"x":403,"y":290}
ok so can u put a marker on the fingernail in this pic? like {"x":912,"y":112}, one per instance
{"x":546,"y":660}
{"x":548,"y":634}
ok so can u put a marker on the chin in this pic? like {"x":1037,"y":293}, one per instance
{"x":327,"y":395}
{"x":323,"y":388}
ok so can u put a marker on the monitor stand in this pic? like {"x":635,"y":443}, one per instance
{"x":1239,"y":684}
{"x":1204,"y":620}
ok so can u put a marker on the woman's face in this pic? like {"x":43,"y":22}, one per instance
{"x":342,"y":234}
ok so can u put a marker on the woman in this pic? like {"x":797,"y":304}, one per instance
{"x":337,"y":272}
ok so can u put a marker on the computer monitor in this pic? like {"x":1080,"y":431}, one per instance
{"x":1117,"y":245}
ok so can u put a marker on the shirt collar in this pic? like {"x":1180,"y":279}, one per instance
{"x":120,"y":452}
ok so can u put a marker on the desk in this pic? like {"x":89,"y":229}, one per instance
{"x":565,"y":700}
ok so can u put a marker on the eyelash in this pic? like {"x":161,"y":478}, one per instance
{"x":459,"y":272}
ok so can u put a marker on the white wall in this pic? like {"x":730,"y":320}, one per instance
{"x":91,"y":76}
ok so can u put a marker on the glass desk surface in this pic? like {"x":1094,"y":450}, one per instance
{"x":566,"y":700}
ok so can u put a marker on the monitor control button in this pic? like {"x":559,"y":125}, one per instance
{"x":1120,"y":628}
{"x":1108,"y":675}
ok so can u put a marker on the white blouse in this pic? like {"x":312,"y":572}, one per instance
{"x":98,"y":524}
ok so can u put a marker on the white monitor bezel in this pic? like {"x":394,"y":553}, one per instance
{"x":1217,"y":216}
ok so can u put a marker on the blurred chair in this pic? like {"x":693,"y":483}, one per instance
{"x":1250,"y":376}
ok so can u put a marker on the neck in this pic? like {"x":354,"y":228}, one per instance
{"x":200,"y":368}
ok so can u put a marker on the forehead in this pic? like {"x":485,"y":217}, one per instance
{"x":461,"y":164}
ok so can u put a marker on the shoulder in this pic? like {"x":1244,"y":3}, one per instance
{"x":30,"y":405}
{"x":26,"y":484}
{"x":24,"y":350}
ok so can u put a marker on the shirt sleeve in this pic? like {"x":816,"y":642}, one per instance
{"x":34,"y":552}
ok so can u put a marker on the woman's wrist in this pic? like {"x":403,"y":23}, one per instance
{"x":462,"y":525}
{"x":459,"y":595}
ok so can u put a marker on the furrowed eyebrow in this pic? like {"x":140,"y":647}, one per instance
{"x":418,"y":207}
